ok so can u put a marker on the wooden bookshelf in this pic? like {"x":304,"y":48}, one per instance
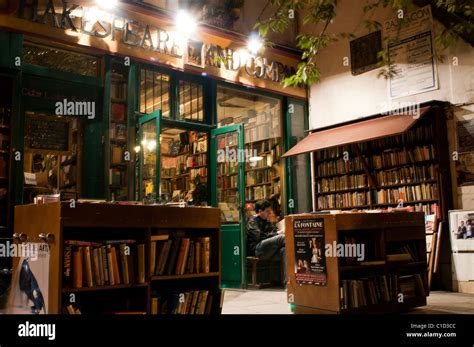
{"x":5,"y":160}
{"x":190,"y":162}
{"x":368,"y":282}
{"x":404,"y":167}
{"x":262,"y":178}
{"x":103,"y":229}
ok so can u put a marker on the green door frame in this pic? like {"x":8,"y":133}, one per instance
{"x":156,"y":116}
{"x":289,"y":161}
{"x":237,"y":255}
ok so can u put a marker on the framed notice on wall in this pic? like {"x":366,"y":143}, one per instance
{"x":465,"y":136}
{"x":310,"y":260}
{"x":48,"y":134}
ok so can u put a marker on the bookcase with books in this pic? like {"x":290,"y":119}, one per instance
{"x":382,"y":173}
{"x":263,"y":167}
{"x":377,"y":262}
{"x":127,"y":259}
{"x":184,"y":158}
{"x":5,"y":141}
{"x":119,"y":169}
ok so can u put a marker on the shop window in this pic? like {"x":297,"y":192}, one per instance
{"x":300,"y":171}
{"x":261,"y":118}
{"x":53,"y":155}
{"x":184,"y":166}
{"x":59,"y":59}
{"x":154,"y":92}
{"x":191,"y":101}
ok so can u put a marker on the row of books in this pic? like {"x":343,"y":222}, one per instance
{"x":191,"y":302}
{"x":227,"y":196}
{"x":202,"y":171}
{"x":258,"y":177}
{"x":260,"y":132}
{"x":265,"y":162}
{"x":227,"y":182}
{"x":413,"y":136}
{"x":110,"y":262}
{"x":423,"y":191}
{"x":340,"y":166}
{"x":196,"y":160}
{"x":337,"y":152}
{"x":356,"y":293}
{"x":344,"y":200}
{"x":179,"y":256}
{"x":258,"y":192}
{"x":342,"y":182}
{"x":228,"y":168}
{"x":406,"y":156}
{"x":408,"y":174}
{"x":260,"y":147}
{"x":199,"y":146}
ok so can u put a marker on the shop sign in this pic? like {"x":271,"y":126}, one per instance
{"x":91,"y":21}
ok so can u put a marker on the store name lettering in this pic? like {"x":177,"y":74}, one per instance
{"x":145,"y":36}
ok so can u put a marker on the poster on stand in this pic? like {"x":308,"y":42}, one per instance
{"x":30,"y":282}
{"x":310,"y":260}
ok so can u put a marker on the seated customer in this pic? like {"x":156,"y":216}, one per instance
{"x":263,"y":240}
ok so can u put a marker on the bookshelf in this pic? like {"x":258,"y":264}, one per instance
{"x":378,"y":174}
{"x":184,"y":157}
{"x":387,"y":275}
{"x":119,"y":171}
{"x":120,"y":258}
{"x":263,"y":170}
{"x":70,"y":165}
{"x":5,"y":141}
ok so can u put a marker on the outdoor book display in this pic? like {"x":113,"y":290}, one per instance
{"x":356,"y":262}
{"x":111,"y":258}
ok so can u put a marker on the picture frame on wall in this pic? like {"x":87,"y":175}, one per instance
{"x":461,"y":230}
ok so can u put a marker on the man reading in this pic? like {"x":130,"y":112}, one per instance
{"x":263,"y":239}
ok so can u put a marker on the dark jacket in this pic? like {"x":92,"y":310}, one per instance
{"x":258,"y":229}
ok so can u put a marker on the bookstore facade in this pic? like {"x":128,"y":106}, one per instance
{"x":126,"y":109}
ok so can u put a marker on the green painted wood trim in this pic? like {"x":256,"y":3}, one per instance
{"x":60,"y":75}
{"x":288,"y":162}
{"x":132,"y":101}
{"x":239,"y":128}
{"x":156,"y":117}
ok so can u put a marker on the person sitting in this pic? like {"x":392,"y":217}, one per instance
{"x":263,"y":240}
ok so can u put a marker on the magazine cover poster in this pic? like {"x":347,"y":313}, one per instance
{"x":461,"y":230}
{"x":310,"y":261}
{"x":30,"y":283}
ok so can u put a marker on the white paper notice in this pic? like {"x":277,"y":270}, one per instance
{"x":411,"y":54}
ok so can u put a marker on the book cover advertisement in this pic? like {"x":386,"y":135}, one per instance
{"x":310,"y":260}
{"x":30,"y":285}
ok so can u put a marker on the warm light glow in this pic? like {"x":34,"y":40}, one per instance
{"x":137,"y":149}
{"x":255,"y":44}
{"x":185,"y":22}
{"x":151,"y":145}
{"x":91,"y":15}
{"x":107,"y":3}
{"x":256,"y":158}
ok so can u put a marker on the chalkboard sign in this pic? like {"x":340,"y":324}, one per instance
{"x":48,"y":134}
{"x":364,"y":52}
